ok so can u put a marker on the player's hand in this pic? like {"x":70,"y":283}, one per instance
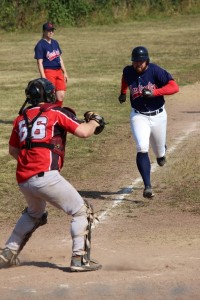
{"x":122,"y":98}
{"x":90,"y":115}
{"x":147,"y":93}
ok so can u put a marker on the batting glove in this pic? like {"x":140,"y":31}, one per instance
{"x":122,"y":98}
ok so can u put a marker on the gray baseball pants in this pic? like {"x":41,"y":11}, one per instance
{"x":52,"y":188}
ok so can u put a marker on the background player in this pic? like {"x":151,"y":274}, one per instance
{"x":50,"y":63}
{"x":37,"y":142}
{"x":148,"y":83}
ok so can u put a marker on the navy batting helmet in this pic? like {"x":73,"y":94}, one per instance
{"x":140,"y":53}
{"x":40,"y":90}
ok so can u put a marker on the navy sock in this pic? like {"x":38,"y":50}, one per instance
{"x":144,"y":167}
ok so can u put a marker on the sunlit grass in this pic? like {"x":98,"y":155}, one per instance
{"x":94,"y":58}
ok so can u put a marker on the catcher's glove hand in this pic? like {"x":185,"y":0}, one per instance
{"x":90,"y":115}
{"x":147,"y":93}
{"x":122,"y":98}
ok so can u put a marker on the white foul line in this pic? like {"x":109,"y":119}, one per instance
{"x":128,"y":190}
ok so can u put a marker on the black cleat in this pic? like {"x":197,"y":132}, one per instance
{"x":8,"y":258}
{"x":161,"y":161}
{"x":148,"y":193}
{"x":79,"y":264}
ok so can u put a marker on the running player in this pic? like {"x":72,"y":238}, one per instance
{"x":148,"y":83}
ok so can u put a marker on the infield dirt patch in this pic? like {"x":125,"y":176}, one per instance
{"x":149,"y":249}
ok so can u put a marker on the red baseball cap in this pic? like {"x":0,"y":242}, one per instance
{"x":48,"y":27}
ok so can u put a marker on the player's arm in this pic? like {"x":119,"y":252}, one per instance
{"x":85,"y":130}
{"x":124,"y":87}
{"x":169,"y":89}
{"x":63,"y":69}
{"x":13,"y":151}
{"x":68,"y":120}
{"x":40,"y":67}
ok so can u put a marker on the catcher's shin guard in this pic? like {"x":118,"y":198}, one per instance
{"x":86,"y":211}
{"x":38,"y":222}
{"x":91,"y":217}
{"x":83,"y":263}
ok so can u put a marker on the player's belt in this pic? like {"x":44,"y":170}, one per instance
{"x":150,"y":113}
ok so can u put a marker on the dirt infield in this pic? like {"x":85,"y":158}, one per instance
{"x":148,"y":250}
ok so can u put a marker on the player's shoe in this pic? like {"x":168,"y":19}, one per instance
{"x":148,"y":193}
{"x":79,"y":264}
{"x":161,"y":161}
{"x":8,"y":258}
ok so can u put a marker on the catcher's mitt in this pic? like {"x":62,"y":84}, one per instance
{"x":90,"y":115}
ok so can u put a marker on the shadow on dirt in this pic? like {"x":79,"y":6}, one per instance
{"x":110,"y":196}
{"x":97,"y":195}
{"x":45,"y":264}
{"x":191,"y":112}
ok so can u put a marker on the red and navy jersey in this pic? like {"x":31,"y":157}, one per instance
{"x":50,"y":53}
{"x":153,"y":78}
{"x":53,"y":122}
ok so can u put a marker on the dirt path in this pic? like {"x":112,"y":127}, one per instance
{"x":148,"y":250}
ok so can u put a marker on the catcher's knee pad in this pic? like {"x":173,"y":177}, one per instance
{"x":38,"y":222}
{"x":87,"y":210}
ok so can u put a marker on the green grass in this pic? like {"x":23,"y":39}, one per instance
{"x":94,"y":58}
{"x":183,"y":177}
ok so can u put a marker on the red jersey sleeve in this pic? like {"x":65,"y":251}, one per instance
{"x":14,"y":138}
{"x":170,"y":88}
{"x":66,"y":122}
{"x":124,"y":86}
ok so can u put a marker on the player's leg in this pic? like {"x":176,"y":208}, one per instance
{"x":32,"y":217}
{"x":55,"y":76}
{"x":158,"y":137}
{"x":60,"y":193}
{"x":81,"y":260}
{"x":60,"y":87}
{"x":141,"y":133}
{"x":60,"y":95}
{"x":51,"y":76}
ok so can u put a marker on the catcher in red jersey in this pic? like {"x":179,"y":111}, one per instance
{"x":37,"y":142}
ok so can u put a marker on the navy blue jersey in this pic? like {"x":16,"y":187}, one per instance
{"x":154,"y":77}
{"x":50,"y":53}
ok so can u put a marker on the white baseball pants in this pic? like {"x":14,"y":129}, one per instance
{"x":148,"y":130}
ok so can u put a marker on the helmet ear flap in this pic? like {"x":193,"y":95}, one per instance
{"x":49,"y":90}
